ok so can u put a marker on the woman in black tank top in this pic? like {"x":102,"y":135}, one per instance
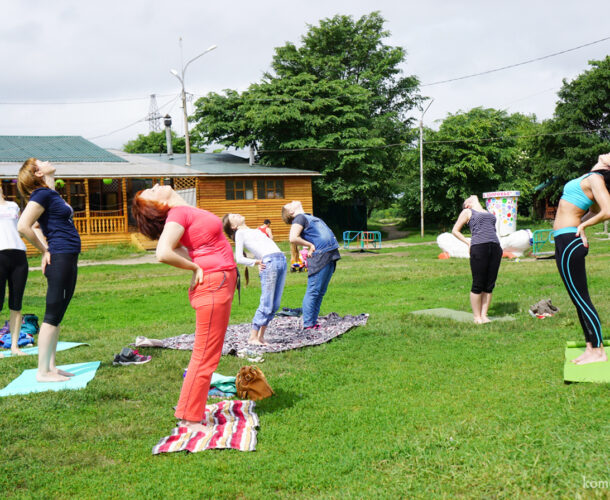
{"x":485,"y":254}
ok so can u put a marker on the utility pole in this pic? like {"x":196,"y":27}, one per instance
{"x":421,"y":168}
{"x":180,"y":76}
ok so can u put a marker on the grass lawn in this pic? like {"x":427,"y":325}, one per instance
{"x":406,"y":407}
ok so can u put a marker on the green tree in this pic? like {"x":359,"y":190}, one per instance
{"x":465,"y":156}
{"x":579,"y":130}
{"x":332,"y":105}
{"x":155,"y":142}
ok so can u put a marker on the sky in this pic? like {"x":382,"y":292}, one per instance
{"x":88,"y":68}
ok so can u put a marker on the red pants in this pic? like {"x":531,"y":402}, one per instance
{"x":212,"y":301}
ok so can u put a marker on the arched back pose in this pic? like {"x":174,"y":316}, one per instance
{"x":59,"y":244}
{"x":192,"y":239}
{"x":585,"y":202}
{"x":485,"y":254}
{"x":322,"y":252}
{"x":272,"y":266}
{"x":13,"y":267}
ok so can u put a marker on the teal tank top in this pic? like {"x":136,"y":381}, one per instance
{"x":573,"y":193}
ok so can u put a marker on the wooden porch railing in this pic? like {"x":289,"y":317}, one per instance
{"x":101,"y":225}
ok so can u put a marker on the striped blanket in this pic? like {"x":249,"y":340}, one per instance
{"x":234,"y":426}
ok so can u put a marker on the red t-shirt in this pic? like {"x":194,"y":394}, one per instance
{"x":203,"y":237}
{"x":263,"y":229}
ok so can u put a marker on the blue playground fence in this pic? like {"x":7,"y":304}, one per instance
{"x":362,"y":239}
{"x":543,"y":242}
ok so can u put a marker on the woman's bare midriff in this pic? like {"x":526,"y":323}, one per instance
{"x":567,"y":215}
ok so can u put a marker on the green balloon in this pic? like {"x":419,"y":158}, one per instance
{"x":59,"y":183}
{"x":107,"y":181}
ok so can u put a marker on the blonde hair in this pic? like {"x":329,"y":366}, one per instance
{"x":287,"y":215}
{"x":27,"y":180}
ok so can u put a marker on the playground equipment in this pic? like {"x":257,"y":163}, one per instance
{"x":363,"y":239}
{"x":543,"y":242}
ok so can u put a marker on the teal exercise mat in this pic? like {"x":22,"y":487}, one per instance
{"x":27,"y":383}
{"x":591,"y":372}
{"x":61,"y":346}
{"x":443,"y":312}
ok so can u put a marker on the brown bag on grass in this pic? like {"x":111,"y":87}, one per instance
{"x":251,"y":383}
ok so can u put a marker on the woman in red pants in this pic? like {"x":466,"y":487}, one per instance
{"x":191,"y":238}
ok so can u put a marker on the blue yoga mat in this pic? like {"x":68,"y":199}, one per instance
{"x":26,"y":382}
{"x":61,"y":346}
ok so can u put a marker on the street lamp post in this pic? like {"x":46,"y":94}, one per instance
{"x":180,"y":76}
{"x":421,"y":168}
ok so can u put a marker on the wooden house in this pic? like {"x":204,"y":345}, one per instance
{"x":100,"y":184}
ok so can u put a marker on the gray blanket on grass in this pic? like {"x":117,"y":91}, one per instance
{"x":282,"y":334}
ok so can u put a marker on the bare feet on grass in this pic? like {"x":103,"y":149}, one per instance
{"x":478,"y":321}
{"x":17,"y":352}
{"x":485,"y":319}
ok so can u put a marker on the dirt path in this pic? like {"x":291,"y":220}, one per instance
{"x":393,"y":233}
{"x":147,"y":258}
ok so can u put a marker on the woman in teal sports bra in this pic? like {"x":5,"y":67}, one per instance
{"x":585,"y":202}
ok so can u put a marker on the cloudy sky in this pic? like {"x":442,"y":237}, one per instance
{"x":88,"y":67}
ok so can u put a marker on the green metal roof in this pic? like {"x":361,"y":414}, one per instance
{"x":224,"y":164}
{"x":63,"y":148}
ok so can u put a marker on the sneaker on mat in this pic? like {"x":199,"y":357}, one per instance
{"x":129,"y":356}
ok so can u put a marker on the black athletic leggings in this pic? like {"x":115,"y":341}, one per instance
{"x":570,"y":256}
{"x":61,"y":280}
{"x":485,"y":261}
{"x":14,"y":269}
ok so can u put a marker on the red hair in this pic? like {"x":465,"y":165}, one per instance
{"x":150,"y":216}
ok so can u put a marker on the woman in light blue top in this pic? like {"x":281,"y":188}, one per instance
{"x":585,"y":202}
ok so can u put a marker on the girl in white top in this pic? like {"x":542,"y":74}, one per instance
{"x":13,"y":267}
{"x":272,"y":266}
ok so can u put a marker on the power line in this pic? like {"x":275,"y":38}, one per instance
{"x":65,"y":103}
{"x":133,"y":123}
{"x":57,"y":140}
{"x":449,"y":141}
{"x":515,"y":65}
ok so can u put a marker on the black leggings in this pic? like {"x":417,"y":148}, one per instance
{"x":485,"y":261}
{"x":61,"y":279}
{"x":570,"y":256}
{"x":14,"y":269}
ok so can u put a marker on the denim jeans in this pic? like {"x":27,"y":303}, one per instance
{"x":316,"y":288}
{"x":273,"y":278}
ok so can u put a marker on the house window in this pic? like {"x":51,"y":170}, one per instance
{"x":270,"y":189}
{"x":76,"y":195}
{"x":239,"y":190}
